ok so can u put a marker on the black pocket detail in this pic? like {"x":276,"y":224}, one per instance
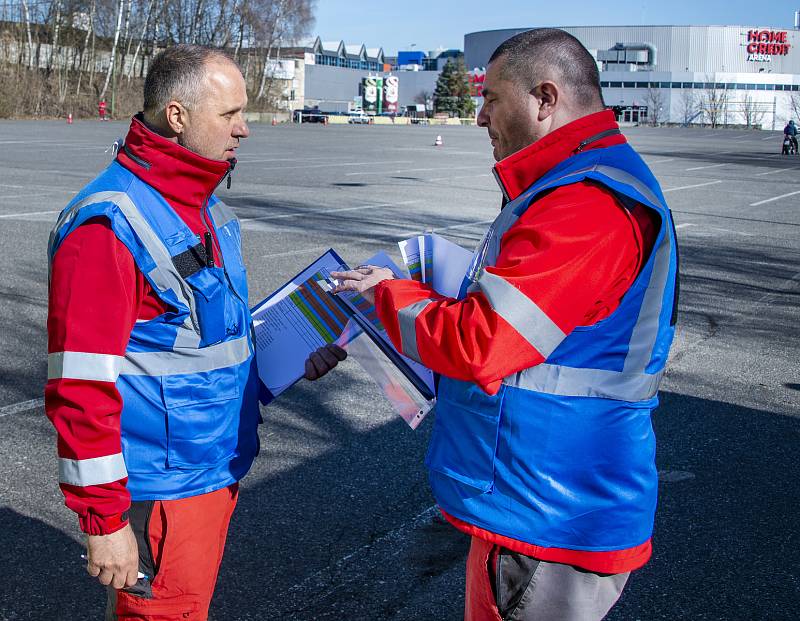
{"x":210,"y":295}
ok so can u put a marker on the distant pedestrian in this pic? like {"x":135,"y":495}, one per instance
{"x":101,"y":110}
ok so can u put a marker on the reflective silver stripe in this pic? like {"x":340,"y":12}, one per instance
{"x":407,"y":318}
{"x":83,"y":366}
{"x":164,"y":276}
{"x":521,"y":313}
{"x":571,"y":382}
{"x":95,"y":471}
{"x":222,"y":214}
{"x":645,"y":332}
{"x":189,"y":360}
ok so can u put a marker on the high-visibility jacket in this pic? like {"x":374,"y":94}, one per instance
{"x":188,"y":378}
{"x":563,"y":455}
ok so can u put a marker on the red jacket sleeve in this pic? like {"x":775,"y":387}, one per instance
{"x":567,"y":262}
{"x":95,"y":294}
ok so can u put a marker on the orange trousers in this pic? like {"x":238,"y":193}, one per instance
{"x":181,"y":543}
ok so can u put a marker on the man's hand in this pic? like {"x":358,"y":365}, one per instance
{"x":113,"y":559}
{"x":323,"y":360}
{"x":362,"y":280}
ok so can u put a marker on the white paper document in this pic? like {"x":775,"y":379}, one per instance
{"x":444,"y":266}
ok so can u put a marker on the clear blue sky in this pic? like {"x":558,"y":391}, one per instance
{"x":396,"y":24}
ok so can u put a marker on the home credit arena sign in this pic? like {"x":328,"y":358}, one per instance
{"x":762,"y":45}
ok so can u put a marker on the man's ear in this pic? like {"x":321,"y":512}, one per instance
{"x":176,"y":117}
{"x":548,"y":96}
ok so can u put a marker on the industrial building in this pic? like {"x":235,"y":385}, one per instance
{"x":720,"y":75}
{"x":330,"y":74}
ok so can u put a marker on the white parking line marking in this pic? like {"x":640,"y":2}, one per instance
{"x":29,"y":213}
{"x":774,"y":198}
{"x":23,"y":406}
{"x":459,"y":177}
{"x":711,"y":166}
{"x":696,"y":185}
{"x":771,"y":172}
{"x":305,"y":213}
{"x":405,"y":170}
{"x":684,"y":225}
{"x":373,"y":163}
{"x":669,"y":159}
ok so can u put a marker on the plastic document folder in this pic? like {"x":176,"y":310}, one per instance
{"x":436,"y":261}
{"x":303,"y":315}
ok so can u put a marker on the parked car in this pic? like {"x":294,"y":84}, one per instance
{"x":358,"y":118}
{"x":310,"y":115}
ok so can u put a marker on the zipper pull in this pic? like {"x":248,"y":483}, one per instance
{"x":209,"y":250}
{"x":232,"y":164}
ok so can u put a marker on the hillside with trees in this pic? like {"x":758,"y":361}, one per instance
{"x":63,"y":56}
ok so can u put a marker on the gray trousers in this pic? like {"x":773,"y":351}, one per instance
{"x":521,"y":588}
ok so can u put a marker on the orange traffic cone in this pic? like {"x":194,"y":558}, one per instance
{"x":69,"y":119}
{"x":438,"y":142}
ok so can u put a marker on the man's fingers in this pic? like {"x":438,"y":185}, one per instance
{"x":105,"y":577}
{"x":120,"y":579}
{"x":337,"y":351}
{"x":132,"y":577}
{"x":328,"y":358}
{"x":350,"y":275}
{"x":311,"y":372}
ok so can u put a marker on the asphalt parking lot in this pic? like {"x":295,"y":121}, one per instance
{"x":335,"y":520}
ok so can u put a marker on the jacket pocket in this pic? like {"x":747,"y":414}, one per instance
{"x":465,"y":433}
{"x":202,"y":418}
{"x":210,"y":295}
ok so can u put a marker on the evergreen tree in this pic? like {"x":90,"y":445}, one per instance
{"x":452,"y":91}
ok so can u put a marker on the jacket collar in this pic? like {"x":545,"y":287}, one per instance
{"x":521,"y":170}
{"x":179,"y":175}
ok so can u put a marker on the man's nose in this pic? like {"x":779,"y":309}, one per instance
{"x":483,"y":118}
{"x":242,"y":130}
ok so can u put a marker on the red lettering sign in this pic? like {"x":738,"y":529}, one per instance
{"x":766,"y":43}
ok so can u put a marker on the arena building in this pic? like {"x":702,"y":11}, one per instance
{"x":717,"y":75}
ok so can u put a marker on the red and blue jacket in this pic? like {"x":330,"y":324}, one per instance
{"x":542,"y":440}
{"x":151,"y":375}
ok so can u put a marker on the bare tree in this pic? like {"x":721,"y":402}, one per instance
{"x":752,"y":111}
{"x":714,"y":102}
{"x":689,"y":106}
{"x":26,"y":8}
{"x":794,"y":105}
{"x":654,"y":99}
{"x":117,"y":31}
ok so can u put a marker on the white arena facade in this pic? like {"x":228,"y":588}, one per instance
{"x":714,"y":75}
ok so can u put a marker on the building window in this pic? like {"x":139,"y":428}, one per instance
{"x":615,"y":84}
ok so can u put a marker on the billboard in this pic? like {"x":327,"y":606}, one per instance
{"x":372,"y":88}
{"x":391,"y":91}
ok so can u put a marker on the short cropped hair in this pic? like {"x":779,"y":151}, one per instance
{"x":550,"y":53}
{"x":177,"y":74}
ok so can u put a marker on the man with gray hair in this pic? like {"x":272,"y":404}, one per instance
{"x":543,"y":451}
{"x":152,"y":385}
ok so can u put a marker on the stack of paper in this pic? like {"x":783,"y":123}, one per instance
{"x":434,"y":260}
